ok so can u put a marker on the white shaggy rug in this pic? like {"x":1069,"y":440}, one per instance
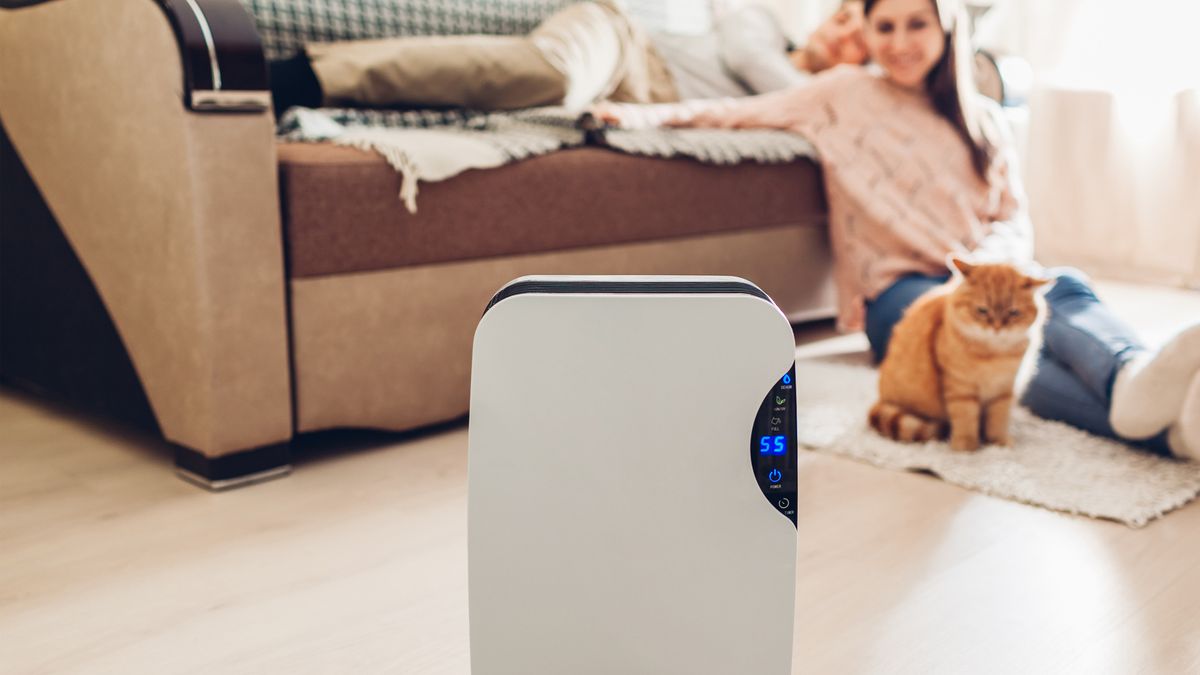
{"x":1051,"y":464}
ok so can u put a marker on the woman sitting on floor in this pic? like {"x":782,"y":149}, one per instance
{"x":917,"y":166}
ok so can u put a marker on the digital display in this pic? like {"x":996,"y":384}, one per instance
{"x":772,"y":441}
{"x":772,"y":445}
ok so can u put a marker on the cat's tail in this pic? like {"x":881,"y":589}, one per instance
{"x":898,"y":424}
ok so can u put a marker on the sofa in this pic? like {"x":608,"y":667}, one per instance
{"x":167,"y":261}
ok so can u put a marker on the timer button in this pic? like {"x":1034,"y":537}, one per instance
{"x":784,"y":503}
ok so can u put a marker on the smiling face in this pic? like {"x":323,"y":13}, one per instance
{"x":906,"y":39}
{"x":839,"y":40}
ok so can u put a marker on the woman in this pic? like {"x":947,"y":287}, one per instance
{"x":585,"y":52}
{"x":917,"y":167}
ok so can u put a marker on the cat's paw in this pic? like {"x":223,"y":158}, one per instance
{"x":964,"y":443}
{"x":1003,"y":439}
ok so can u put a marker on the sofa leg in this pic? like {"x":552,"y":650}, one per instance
{"x":234,"y":470}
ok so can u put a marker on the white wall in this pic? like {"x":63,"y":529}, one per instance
{"x":695,"y":16}
{"x":799,"y":16}
{"x":1113,"y":163}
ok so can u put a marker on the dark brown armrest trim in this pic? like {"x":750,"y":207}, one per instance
{"x":223,"y":64}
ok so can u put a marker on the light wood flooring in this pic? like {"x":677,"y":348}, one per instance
{"x":356,"y":563}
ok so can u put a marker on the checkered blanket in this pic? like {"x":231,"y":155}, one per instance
{"x":286,"y":25}
{"x":306,"y":124}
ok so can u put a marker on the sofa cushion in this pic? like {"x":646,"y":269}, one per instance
{"x":342,"y":212}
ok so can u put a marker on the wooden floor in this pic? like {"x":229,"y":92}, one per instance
{"x":357,"y":561}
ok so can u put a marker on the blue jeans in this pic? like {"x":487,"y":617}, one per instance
{"x":1083,"y":347}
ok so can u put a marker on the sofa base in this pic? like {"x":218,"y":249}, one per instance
{"x":391,"y":349}
{"x":234,"y":470}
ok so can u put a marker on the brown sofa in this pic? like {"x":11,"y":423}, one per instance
{"x":166,"y":260}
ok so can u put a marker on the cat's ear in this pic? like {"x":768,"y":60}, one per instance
{"x":965,"y":268}
{"x":1035,"y":281}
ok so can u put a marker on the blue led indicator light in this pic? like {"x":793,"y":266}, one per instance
{"x":775,"y":476}
{"x":772,"y":445}
{"x":787,"y":379}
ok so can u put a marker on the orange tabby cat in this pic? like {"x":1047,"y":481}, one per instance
{"x":954,"y":356}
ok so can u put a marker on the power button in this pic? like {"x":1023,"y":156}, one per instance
{"x":775,"y":476}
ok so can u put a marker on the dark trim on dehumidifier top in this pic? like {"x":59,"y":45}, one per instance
{"x":627,"y":287}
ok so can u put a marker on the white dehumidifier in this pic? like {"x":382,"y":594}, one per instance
{"x":632,"y":479}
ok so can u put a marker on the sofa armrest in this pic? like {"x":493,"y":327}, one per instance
{"x":173,"y":213}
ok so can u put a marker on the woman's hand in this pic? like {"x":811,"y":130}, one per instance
{"x":714,"y":114}
{"x":680,"y":121}
{"x":609,"y":113}
{"x":640,"y":115}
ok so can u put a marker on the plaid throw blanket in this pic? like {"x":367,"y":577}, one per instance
{"x":306,"y":124}
{"x":430,"y":145}
{"x":286,"y":25}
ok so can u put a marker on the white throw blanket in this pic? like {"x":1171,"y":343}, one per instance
{"x":436,"y":146}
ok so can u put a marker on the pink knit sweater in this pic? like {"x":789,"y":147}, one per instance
{"x":901,"y":188}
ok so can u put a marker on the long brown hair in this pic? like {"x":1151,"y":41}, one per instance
{"x":951,"y":85}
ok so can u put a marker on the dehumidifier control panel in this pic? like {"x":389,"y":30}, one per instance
{"x":773,"y":446}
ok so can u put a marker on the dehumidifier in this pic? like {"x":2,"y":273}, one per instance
{"x":632,"y":479}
